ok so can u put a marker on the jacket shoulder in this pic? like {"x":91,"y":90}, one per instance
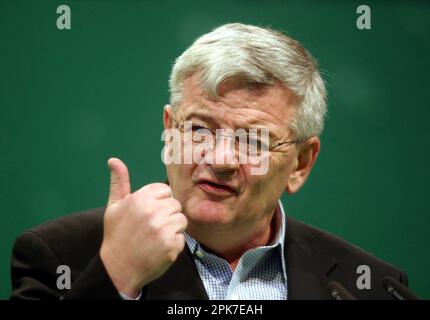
{"x":73,"y":238}
{"x":346,"y":259}
{"x":339,"y":248}
{"x":81,"y":221}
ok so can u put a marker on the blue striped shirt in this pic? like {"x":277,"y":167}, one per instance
{"x":260,"y":274}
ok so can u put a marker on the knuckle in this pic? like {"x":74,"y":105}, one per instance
{"x":174,"y":204}
{"x":156,"y":186}
{"x":164,"y":187}
{"x":183,"y":219}
{"x":142,"y":206}
{"x":154,"y":224}
{"x":168,"y":206}
{"x":149,"y":207}
{"x":145,"y":203}
{"x":185,"y":222}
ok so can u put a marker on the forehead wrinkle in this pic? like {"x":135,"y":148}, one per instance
{"x":254,"y":122}
{"x":274,"y":107}
{"x":271,"y":109}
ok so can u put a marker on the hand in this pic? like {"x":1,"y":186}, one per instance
{"x":143,"y":231}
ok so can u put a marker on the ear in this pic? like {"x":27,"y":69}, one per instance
{"x":304,"y":161}
{"x":168,"y":116}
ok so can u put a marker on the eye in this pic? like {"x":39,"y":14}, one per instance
{"x":201,"y":134}
{"x":195,"y":128}
{"x":258,"y":144}
{"x":254,"y":141}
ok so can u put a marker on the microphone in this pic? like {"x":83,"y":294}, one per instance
{"x":338,"y":292}
{"x":397,"y":290}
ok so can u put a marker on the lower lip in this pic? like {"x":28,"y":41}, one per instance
{"x":214,"y":190}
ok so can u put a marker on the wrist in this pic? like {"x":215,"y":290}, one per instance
{"x":119,"y":274}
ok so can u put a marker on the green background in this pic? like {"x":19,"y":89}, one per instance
{"x":71,"y":99}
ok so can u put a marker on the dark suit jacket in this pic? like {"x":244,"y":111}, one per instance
{"x":313,"y":259}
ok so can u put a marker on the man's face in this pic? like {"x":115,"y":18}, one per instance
{"x":228,"y":195}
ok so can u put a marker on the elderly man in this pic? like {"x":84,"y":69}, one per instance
{"x":217,"y":230}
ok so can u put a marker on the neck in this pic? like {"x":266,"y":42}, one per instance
{"x":231,"y":243}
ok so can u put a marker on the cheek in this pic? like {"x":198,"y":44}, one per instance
{"x":177,"y":172}
{"x":272,"y":184}
{"x":183,"y":191}
{"x":180,"y":179}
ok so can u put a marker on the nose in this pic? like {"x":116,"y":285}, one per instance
{"x":225,"y":156}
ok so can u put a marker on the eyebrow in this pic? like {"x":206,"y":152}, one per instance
{"x":201,"y":116}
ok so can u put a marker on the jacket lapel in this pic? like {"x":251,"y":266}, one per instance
{"x":307,"y":264}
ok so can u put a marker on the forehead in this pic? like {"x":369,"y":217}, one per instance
{"x":239,"y":104}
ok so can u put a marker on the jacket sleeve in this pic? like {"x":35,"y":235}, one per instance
{"x":34,"y":274}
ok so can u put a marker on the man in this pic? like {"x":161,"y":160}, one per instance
{"x":218,"y":230}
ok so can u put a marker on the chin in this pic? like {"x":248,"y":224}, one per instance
{"x":205,"y":211}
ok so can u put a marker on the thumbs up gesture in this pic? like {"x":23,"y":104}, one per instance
{"x":143,"y":231}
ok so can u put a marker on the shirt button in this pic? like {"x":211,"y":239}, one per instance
{"x":199,"y":254}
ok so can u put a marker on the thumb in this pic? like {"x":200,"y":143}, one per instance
{"x":119,"y":180}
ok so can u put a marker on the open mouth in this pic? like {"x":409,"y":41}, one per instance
{"x":215,"y":188}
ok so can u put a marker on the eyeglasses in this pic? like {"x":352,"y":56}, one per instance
{"x":248,"y":142}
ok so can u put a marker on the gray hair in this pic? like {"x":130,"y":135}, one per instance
{"x":255,"y":55}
